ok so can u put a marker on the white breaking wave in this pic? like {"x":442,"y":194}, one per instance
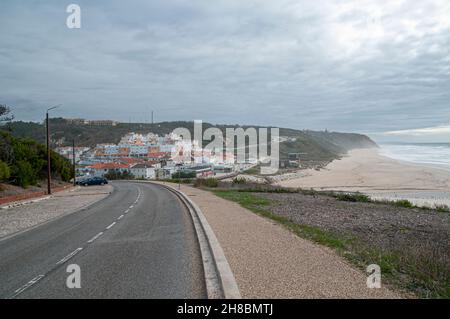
{"x":430,"y":154}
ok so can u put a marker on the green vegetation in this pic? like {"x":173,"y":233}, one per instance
{"x":207,"y":182}
{"x":5,"y":172}
{"x":26,"y":161}
{"x":24,"y":173}
{"x":179,"y":180}
{"x":255,"y":170}
{"x":403,"y":203}
{"x":113,"y":175}
{"x":420,"y":272}
{"x":443,"y":208}
{"x":352,"y":197}
{"x":239,"y":180}
{"x":182,"y":175}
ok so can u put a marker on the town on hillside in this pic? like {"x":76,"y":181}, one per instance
{"x":150,"y":156}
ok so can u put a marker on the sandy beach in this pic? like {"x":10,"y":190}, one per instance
{"x":366,"y":171}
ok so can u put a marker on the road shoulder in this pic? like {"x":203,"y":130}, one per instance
{"x":15,"y":220}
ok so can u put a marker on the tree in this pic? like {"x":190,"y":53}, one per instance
{"x":24,"y":174}
{"x":5,"y":114}
{"x":4,"y":171}
{"x":114,"y":175}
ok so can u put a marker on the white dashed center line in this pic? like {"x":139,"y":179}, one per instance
{"x":27,"y":285}
{"x":111,"y":225}
{"x":95,"y":237}
{"x":73,"y":253}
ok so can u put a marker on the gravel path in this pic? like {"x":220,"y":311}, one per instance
{"x":269,"y":261}
{"x":19,"y":218}
{"x":386,"y":226}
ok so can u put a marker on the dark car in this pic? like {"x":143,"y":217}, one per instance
{"x":92,"y":181}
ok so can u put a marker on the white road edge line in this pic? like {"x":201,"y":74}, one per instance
{"x":120,"y":217}
{"x":111,"y":225}
{"x":95,"y":237}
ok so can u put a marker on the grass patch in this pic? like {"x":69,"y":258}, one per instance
{"x":267,"y":190}
{"x":178,"y":180}
{"x":206,"y":182}
{"x":253,"y":171}
{"x":403,"y":203}
{"x":443,"y":208}
{"x":245,"y":199}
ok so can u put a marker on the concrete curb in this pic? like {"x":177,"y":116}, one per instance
{"x":24,"y":202}
{"x":220,"y":281}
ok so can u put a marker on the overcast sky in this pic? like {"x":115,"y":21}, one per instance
{"x":360,"y":66}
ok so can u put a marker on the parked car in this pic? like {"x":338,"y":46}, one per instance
{"x":92,"y":181}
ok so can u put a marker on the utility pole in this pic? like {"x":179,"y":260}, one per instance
{"x":73,"y":163}
{"x":49,"y":177}
{"x":152,"y":117}
{"x":49,"y":174}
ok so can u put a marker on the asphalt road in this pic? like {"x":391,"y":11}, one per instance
{"x":137,"y":243}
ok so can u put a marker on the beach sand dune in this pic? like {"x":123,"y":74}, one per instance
{"x":366,"y":171}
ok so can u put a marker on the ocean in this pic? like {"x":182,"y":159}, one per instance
{"x":429,"y":154}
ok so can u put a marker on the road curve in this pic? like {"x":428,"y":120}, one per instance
{"x":137,"y":243}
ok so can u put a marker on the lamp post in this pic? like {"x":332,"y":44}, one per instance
{"x":49,"y":175}
{"x":73,"y":163}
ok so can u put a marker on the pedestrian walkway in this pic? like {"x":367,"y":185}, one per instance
{"x":269,"y":261}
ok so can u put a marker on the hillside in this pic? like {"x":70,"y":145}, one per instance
{"x":23,"y":162}
{"x":315,"y":146}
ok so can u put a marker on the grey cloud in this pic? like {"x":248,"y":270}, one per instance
{"x":355,"y":67}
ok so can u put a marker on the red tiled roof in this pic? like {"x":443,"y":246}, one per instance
{"x":150,"y":162}
{"x":130,"y":160}
{"x":108,"y":166}
{"x":159,"y":154}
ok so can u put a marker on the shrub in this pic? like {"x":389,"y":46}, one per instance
{"x":18,"y":151}
{"x":182,"y":174}
{"x":24,"y":174}
{"x":5,"y":172}
{"x":113,"y":175}
{"x":239,"y":180}
{"x":443,"y":208}
{"x":357,"y":197}
{"x":208,"y":182}
{"x":404,"y":203}
{"x":178,"y":180}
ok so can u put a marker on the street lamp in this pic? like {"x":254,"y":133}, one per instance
{"x":73,"y":161}
{"x":49,"y":177}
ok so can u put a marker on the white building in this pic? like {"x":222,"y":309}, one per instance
{"x":100,"y":169}
{"x":144,"y":171}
